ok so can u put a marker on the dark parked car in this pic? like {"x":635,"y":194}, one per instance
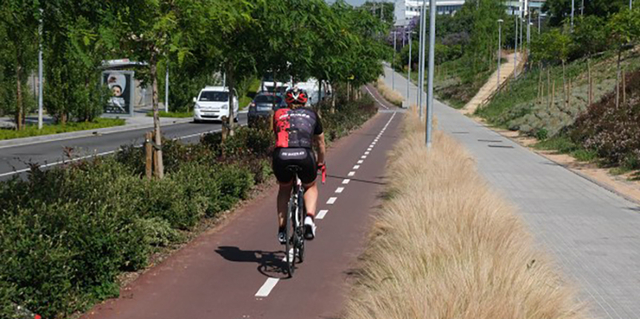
{"x":262,"y":105}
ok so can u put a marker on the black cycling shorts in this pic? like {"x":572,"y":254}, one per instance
{"x":283,"y":158}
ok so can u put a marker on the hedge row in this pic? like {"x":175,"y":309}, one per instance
{"x":67,"y":233}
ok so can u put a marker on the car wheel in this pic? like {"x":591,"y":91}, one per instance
{"x":196,"y":121}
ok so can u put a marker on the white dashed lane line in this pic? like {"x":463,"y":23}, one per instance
{"x":322,"y":213}
{"x":270,"y":283}
{"x":266,"y":288}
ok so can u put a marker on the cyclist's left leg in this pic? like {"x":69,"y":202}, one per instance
{"x":311,"y":198}
{"x":284,"y":193}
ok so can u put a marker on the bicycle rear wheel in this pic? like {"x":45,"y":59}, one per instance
{"x":300,"y":229}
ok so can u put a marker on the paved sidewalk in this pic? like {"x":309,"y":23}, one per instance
{"x":594,"y":234}
{"x":506,"y":69}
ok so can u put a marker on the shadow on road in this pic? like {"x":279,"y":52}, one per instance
{"x":270,"y":263}
{"x":357,"y":180}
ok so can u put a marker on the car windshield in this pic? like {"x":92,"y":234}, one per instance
{"x":214,"y":96}
{"x":267,"y":99}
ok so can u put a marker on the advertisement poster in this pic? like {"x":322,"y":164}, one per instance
{"x":121,"y":85}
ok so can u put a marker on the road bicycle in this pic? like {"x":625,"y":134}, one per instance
{"x":294,"y":222}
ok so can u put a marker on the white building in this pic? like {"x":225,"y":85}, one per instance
{"x":406,"y":10}
{"x":519,"y":7}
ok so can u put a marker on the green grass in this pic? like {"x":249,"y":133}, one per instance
{"x":251,"y":93}
{"x":173,"y":114}
{"x":32,"y":130}
{"x":564,"y":145}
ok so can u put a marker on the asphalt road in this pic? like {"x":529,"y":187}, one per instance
{"x":237,"y":272}
{"x":15,"y":160}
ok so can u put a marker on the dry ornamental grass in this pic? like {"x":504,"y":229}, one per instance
{"x":388,"y":93}
{"x":446,"y":246}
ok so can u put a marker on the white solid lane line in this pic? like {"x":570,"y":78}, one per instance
{"x":331,"y":200}
{"x":346,"y":181}
{"x":267,"y":287}
{"x":373,"y":96}
{"x":339,"y":190}
{"x":322,"y":213}
{"x":351,"y":173}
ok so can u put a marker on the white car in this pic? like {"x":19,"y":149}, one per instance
{"x":212,"y":104}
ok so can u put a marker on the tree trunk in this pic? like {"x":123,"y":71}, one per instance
{"x":19,"y":103}
{"x":231,"y":84}
{"x":549,"y":87}
{"x":553,"y":94}
{"x":153,"y":69}
{"x":624,"y":87}
{"x":564,"y":82}
{"x":590,"y":100}
{"x":540,"y":87}
{"x":275,"y":87}
{"x":618,"y":79}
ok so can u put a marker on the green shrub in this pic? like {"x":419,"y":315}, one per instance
{"x":613,"y":132}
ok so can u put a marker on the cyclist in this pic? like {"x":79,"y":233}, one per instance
{"x":297,"y":129}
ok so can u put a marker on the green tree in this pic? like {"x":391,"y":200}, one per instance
{"x":624,"y":30}
{"x":559,"y":10}
{"x":78,"y":36}
{"x":232,"y":34}
{"x":19,"y":21}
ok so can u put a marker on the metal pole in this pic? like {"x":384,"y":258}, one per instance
{"x":393,"y":72}
{"x":409,"y":70}
{"x":421,"y":59}
{"x":528,"y":32}
{"x":424,"y":60}
{"x":166,"y":88}
{"x":582,"y":8}
{"x":539,"y":18}
{"x":40,"y":77}
{"x":499,"y":50}
{"x":432,"y":45}
{"x":572,"y":9}
{"x":515,"y":60}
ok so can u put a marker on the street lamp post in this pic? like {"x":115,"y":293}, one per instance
{"x":423,"y":21}
{"x":432,"y":44}
{"x":539,"y":20}
{"x":515,"y":60}
{"x":40,"y":77}
{"x":499,"y":50}
{"x":393,"y":73}
{"x":572,"y":9}
{"x":409,"y":69}
{"x":166,"y":88}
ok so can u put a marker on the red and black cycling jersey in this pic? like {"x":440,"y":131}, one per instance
{"x":295,"y":128}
